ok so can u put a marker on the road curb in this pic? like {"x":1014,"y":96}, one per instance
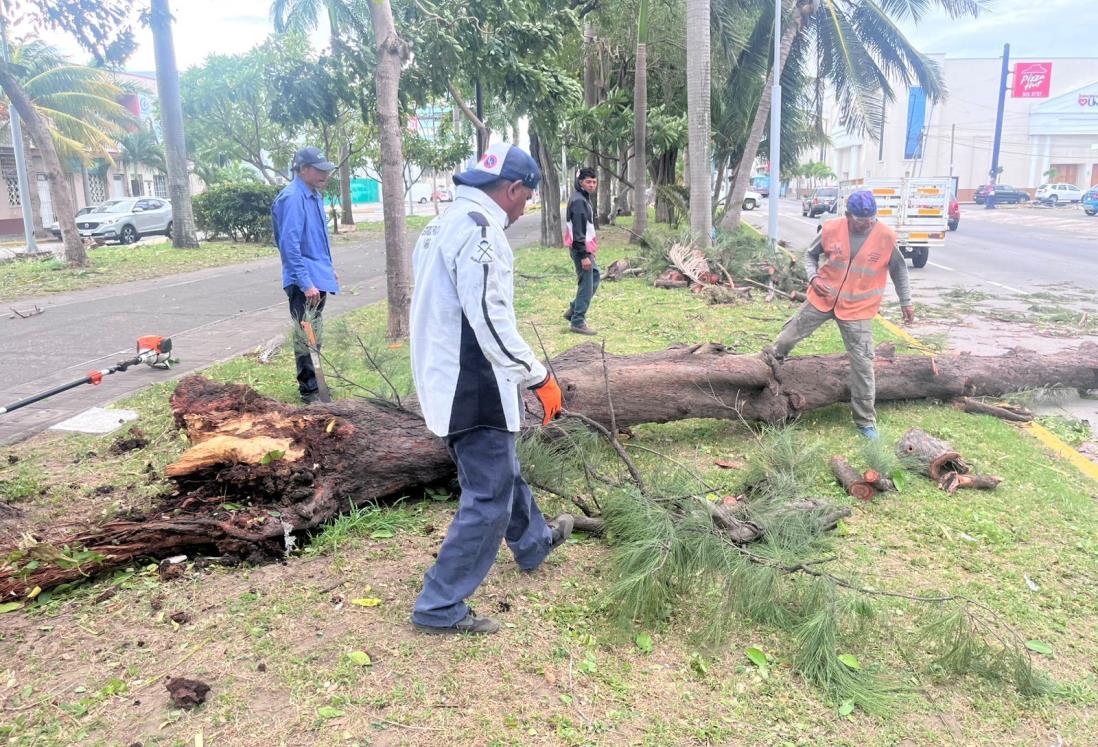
{"x":1042,"y":434}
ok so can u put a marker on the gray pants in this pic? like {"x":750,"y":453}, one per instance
{"x":858,"y":338}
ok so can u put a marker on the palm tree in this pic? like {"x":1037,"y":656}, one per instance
{"x":140,"y":148}
{"x":185,"y":234}
{"x":70,"y":112}
{"x":640,"y":127}
{"x":302,"y":16}
{"x":860,"y":52}
{"x":698,"y":114}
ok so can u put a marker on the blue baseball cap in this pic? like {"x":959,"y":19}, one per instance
{"x":862,"y":204}
{"x":312,"y":157}
{"x":501,"y":161}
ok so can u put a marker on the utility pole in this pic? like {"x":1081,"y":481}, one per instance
{"x":775,"y":131}
{"x":952,"y":137}
{"x":17,"y":146}
{"x":989,"y":203}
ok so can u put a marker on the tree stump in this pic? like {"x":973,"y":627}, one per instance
{"x":929,"y":455}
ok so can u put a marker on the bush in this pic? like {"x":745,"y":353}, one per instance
{"x":240,"y":211}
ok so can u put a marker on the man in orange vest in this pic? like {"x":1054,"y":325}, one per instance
{"x":859,"y":255}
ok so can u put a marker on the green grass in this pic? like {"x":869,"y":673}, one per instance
{"x":119,"y":264}
{"x":273,"y":641}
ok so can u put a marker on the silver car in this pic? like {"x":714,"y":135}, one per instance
{"x":127,"y":220}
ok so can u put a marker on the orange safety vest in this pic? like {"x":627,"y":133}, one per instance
{"x":858,"y":286}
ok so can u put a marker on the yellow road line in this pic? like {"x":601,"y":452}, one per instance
{"x":1049,"y":439}
{"x":1042,"y":434}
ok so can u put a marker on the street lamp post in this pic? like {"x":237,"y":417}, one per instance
{"x":20,"y":156}
{"x":775,"y":132}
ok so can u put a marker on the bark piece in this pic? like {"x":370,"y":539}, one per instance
{"x":854,"y":484}
{"x":187,"y":694}
{"x":880,"y":482}
{"x":951,"y":482}
{"x":1004,"y":411}
{"x":931,"y":456}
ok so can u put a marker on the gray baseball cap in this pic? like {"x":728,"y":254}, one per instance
{"x":312,"y":157}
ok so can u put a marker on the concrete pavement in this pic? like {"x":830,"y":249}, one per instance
{"x":211,"y":315}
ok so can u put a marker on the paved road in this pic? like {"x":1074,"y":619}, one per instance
{"x":1017,"y":251}
{"x":211,"y":315}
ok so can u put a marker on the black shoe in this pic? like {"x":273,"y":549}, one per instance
{"x":471,"y":623}
{"x":568,"y":315}
{"x":309,"y":398}
{"x":584,"y":330}
{"x":561,"y":525}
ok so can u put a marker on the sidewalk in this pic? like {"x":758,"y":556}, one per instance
{"x":211,"y":315}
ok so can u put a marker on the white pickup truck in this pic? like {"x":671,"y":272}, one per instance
{"x":916,"y":208}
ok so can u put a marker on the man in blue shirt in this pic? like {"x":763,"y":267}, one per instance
{"x":301,"y":233}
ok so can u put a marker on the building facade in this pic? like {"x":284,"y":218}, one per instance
{"x":1053,"y":138}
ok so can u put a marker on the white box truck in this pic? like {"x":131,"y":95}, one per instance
{"x":916,"y":208}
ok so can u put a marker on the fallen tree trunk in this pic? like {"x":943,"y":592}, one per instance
{"x":294,"y":468}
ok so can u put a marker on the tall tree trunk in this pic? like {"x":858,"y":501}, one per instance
{"x":750,"y":150}
{"x":664,"y":176}
{"x":32,"y":182}
{"x":184,"y":232}
{"x":64,"y":206}
{"x":640,"y":128}
{"x":718,"y":187}
{"x":591,"y":96}
{"x":604,"y":203}
{"x":390,"y":54}
{"x":348,"y":217}
{"x":698,"y":116}
{"x":621,"y":200}
{"x":551,"y":229}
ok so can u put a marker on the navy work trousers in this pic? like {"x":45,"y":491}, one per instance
{"x":495,"y":504}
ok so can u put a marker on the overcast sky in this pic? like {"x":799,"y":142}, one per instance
{"x":1034,"y":28}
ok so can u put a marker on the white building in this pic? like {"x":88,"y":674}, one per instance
{"x":954,"y":137}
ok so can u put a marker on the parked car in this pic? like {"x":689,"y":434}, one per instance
{"x":954,"y":214}
{"x":442,"y":194}
{"x":751,"y":200}
{"x":1004,"y":193}
{"x":1061,"y":192}
{"x":55,"y":227}
{"x":822,"y":200}
{"x":127,"y":220}
{"x":1090,"y":201}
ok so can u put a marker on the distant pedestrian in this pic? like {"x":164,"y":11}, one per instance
{"x":583,"y":244}
{"x":301,"y":233}
{"x":469,"y":364}
{"x":859,"y":255}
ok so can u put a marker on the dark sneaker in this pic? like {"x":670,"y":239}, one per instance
{"x":562,"y":529}
{"x":310,"y":397}
{"x":568,"y":315}
{"x":584,"y":330}
{"x":472,"y":623}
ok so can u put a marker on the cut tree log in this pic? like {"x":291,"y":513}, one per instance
{"x":882,"y":483}
{"x":929,"y":455}
{"x":855,"y":484}
{"x":351,"y":452}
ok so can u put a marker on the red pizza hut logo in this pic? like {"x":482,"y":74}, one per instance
{"x":1032,"y":80}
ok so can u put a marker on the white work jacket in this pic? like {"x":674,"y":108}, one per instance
{"x":469,"y":362}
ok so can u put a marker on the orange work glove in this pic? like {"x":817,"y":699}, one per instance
{"x":551,"y":398}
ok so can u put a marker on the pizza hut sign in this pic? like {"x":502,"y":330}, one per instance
{"x":1032,"y":79}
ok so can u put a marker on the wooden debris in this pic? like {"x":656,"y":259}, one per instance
{"x":1004,"y":411}
{"x":855,"y":484}
{"x":929,"y":455}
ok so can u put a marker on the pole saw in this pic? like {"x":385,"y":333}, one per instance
{"x":152,"y":350}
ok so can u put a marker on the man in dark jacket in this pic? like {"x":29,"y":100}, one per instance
{"x":580,"y":237}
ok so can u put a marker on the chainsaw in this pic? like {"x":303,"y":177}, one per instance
{"x":152,"y":350}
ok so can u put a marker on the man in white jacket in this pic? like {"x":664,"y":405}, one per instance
{"x":470,"y":364}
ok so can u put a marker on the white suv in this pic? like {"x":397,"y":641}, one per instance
{"x":126,"y":220}
{"x":1059,"y":193}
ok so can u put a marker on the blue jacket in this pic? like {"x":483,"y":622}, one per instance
{"x":301,"y":233}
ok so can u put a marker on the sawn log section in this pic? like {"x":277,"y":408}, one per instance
{"x":323,"y":459}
